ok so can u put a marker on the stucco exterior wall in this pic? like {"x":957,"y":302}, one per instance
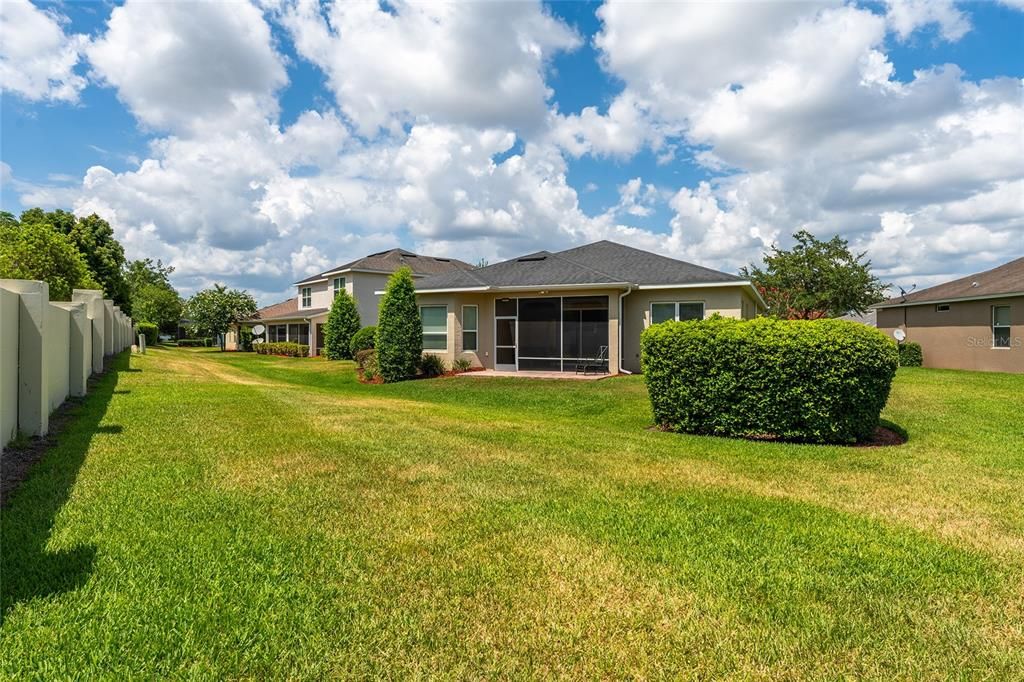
{"x":731,"y":301}
{"x":961,"y":337}
{"x":362,"y":285}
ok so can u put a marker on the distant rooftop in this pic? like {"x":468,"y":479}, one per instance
{"x":1007,"y":279}
{"x":393,"y":259}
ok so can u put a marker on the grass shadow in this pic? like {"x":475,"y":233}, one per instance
{"x":28,"y":569}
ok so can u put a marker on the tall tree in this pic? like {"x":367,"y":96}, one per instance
{"x":212,"y":311}
{"x":815,"y":279}
{"x":153,"y":297}
{"x":342,"y":323}
{"x":94,"y":238}
{"x":399,"y":330}
{"x":34,"y":250}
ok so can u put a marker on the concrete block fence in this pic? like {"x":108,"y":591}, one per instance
{"x":48,"y":350}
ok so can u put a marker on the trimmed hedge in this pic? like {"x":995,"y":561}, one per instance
{"x":285,"y":348}
{"x":399,"y":341}
{"x":150,"y":331}
{"x":911,"y":354}
{"x":342,"y":324}
{"x":818,"y":381}
{"x":363,"y":339}
{"x":195,"y":343}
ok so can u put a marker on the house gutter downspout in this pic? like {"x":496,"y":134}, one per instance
{"x":622,"y":370}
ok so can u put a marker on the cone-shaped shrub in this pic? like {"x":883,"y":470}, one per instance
{"x":399,"y":330}
{"x":342,"y":324}
{"x":820,"y":381}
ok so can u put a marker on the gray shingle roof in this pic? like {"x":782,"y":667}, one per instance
{"x":1008,"y":278}
{"x":602,"y":262}
{"x":393,"y":259}
{"x":286,"y":310}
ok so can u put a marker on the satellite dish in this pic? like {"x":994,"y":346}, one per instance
{"x":899,"y":334}
{"x":258,"y":330}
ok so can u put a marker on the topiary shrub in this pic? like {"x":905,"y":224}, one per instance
{"x":821,"y":381}
{"x":342,"y":324}
{"x":399,"y":341}
{"x":150,"y":331}
{"x":910,"y":354}
{"x":432,"y":365}
{"x":363,"y":339}
{"x":364,"y":357}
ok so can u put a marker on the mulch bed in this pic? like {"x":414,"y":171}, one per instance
{"x":450,"y":373}
{"x":882,"y":437}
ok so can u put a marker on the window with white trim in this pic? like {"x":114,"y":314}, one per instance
{"x":664,"y":311}
{"x":435,"y":326}
{"x":307,"y":296}
{"x":1000,"y":326}
{"x":339,"y":284}
{"x":469,"y":327}
{"x":942,"y":308}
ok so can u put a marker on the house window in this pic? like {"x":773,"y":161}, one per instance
{"x":435,"y":326}
{"x":469,"y":327}
{"x":277,"y":332}
{"x":942,"y":308}
{"x":339,"y":284}
{"x":1000,"y":326}
{"x":677,"y":310}
{"x":307,"y":296}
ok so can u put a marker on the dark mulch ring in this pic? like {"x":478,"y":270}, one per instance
{"x":448,"y":373}
{"x":886,"y":434}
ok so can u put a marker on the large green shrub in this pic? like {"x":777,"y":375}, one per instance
{"x":195,"y":343}
{"x":363,"y":339}
{"x":821,"y":381}
{"x":432,"y":365}
{"x":342,"y":324}
{"x":910,"y":354}
{"x":150,"y":331}
{"x":399,"y":340}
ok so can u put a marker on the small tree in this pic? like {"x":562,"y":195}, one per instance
{"x":399,"y":330}
{"x":212,"y":311}
{"x":342,"y":323}
{"x":815,"y":279}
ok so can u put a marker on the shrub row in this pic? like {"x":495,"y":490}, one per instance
{"x":150,"y":331}
{"x":910,"y":354}
{"x":285,"y":348}
{"x":195,"y":343}
{"x":821,"y":381}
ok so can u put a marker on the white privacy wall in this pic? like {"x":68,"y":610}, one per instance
{"x":48,"y":350}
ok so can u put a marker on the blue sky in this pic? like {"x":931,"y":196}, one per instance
{"x":253,"y":145}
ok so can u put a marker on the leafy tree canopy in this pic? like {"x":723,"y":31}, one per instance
{"x":815,"y":279}
{"x":35,"y":250}
{"x":153,"y":297}
{"x":94,"y":238}
{"x":212,"y":311}
{"x":342,"y":323}
{"x":399,"y":330}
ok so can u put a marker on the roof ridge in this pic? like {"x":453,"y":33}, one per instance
{"x":586,"y":267}
{"x":647,"y":253}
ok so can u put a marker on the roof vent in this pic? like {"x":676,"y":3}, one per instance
{"x":444,"y":260}
{"x":974,"y":284}
{"x":530,"y":259}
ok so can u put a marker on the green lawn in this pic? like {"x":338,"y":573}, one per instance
{"x":216,"y":515}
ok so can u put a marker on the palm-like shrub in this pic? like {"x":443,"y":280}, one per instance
{"x":342,"y":324}
{"x":399,"y":341}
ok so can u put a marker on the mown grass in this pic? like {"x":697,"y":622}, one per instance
{"x":229,"y":515}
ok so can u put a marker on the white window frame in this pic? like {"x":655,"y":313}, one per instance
{"x":335,"y":285}
{"x":306,"y":297}
{"x":436,"y":305}
{"x":650,"y":309}
{"x":475,"y":330}
{"x":1007,"y":327}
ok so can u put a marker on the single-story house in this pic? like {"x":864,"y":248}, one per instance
{"x":547,"y":311}
{"x":302,"y":317}
{"x":975,"y":322}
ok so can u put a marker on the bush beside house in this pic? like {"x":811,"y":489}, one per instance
{"x":285,"y":348}
{"x":399,"y":339}
{"x":911,"y":354}
{"x":823,"y":381}
{"x":342,"y":324}
{"x":363,"y":339}
{"x":150,"y":331}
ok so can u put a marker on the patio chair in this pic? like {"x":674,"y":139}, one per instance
{"x":598,"y":364}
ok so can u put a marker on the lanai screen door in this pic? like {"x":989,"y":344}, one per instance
{"x":550,"y":333}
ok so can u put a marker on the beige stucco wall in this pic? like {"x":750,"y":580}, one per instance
{"x":960,"y":338}
{"x":9,"y":304}
{"x":731,"y":301}
{"x":362,"y":286}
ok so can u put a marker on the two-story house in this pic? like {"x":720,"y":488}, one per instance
{"x":302,"y":318}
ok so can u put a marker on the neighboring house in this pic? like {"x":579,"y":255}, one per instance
{"x":869,"y":317}
{"x":975,"y":322}
{"x":547,"y":311}
{"x":301,"y":319}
